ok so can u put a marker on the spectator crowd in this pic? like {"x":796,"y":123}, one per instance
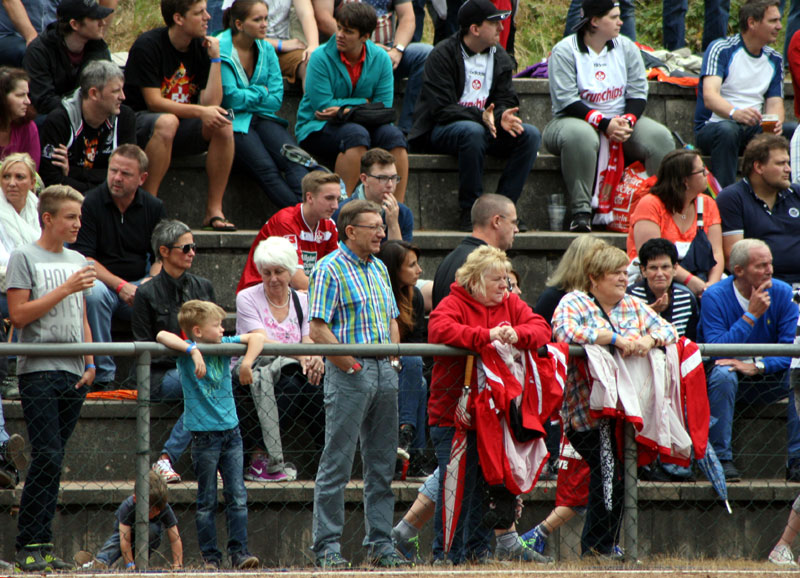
{"x":85,"y":241}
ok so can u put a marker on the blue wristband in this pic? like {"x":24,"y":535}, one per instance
{"x":613,"y":338}
{"x":280,"y":45}
{"x":90,"y":366}
{"x":130,"y":564}
{"x":751,"y":317}
{"x":192,"y":347}
{"x":217,"y":59}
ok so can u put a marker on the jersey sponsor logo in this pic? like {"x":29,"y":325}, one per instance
{"x":318,"y":237}
{"x":476,"y":84}
{"x":309,"y":260}
{"x":605,"y":96}
{"x":292,"y":239}
{"x":179,"y":87}
{"x":600,"y":75}
{"x":477,"y":103}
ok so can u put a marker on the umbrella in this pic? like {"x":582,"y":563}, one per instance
{"x":713,"y":187}
{"x":713,"y":471}
{"x":454,"y":474}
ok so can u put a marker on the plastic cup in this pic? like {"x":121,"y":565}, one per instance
{"x":87,"y":263}
{"x":556,"y":213}
{"x":768,"y":122}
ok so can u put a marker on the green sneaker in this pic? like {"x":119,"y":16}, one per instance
{"x":390,"y":560}
{"x":54,"y":562}
{"x":30,"y":560}
{"x":409,"y":549}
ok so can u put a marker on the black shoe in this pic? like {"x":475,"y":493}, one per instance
{"x":54,"y":562}
{"x":245,"y":561}
{"x":654,"y":473}
{"x":581,"y":223}
{"x":793,"y":471}
{"x":730,"y":471}
{"x":406,"y":437}
{"x":522,"y":226}
{"x":30,"y":560}
{"x":465,"y":222}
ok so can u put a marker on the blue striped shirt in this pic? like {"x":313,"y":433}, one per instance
{"x":353,"y":296}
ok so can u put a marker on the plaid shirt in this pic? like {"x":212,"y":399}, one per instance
{"x":578,"y":319}
{"x":353,"y":296}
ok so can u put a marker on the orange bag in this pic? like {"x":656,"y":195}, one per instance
{"x":631,"y":188}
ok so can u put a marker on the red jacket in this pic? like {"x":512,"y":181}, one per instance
{"x":459,"y":320}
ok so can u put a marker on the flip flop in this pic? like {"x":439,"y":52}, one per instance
{"x":227,"y":226}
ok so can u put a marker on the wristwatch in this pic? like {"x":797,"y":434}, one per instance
{"x":400,"y":48}
{"x":354,"y":368}
{"x":759,"y":366}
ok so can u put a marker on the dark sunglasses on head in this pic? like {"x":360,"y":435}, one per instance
{"x":187,"y":247}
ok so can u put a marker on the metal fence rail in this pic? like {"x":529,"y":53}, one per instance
{"x":143,"y":352}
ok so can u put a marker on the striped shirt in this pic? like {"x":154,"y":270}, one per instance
{"x":682,"y":311}
{"x":353,"y":296}
{"x":578,"y":319}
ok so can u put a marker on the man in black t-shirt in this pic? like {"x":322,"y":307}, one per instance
{"x":78,"y":137}
{"x":173,"y":83}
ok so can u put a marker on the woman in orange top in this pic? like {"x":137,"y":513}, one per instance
{"x":676,"y":210}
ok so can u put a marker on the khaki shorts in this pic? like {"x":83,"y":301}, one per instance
{"x":289,"y":62}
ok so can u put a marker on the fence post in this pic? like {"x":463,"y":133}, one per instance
{"x":142,"y":487}
{"x":630,"y":516}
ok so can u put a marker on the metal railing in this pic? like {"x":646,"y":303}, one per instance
{"x":144,"y":351}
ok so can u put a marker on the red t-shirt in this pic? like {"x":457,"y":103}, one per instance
{"x":650,"y":208}
{"x":354,"y":70}
{"x":311,"y":245}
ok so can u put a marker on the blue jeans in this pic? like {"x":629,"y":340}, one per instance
{"x":51,"y":406}
{"x":212,"y":451}
{"x":626,"y":12}
{"x":470,"y":141}
{"x":259,"y":152}
{"x":411,"y":66}
{"x":361,"y":407}
{"x":111,"y":552}
{"x":673,"y":23}
{"x":167,"y":387}
{"x":726,"y":387}
{"x":12,"y":49}
{"x":412,"y":398}
{"x":715,"y":23}
{"x":471,"y":538}
{"x":101,"y":305}
{"x":725,"y":140}
{"x":214,"y":8}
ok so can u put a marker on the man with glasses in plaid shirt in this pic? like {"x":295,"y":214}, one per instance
{"x":351,"y":301}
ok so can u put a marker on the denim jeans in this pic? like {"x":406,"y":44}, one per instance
{"x":673,"y":23}
{"x":715,"y":24}
{"x":101,"y":306}
{"x":471,"y":538}
{"x":411,"y":66}
{"x":258,"y":151}
{"x":470,"y":141}
{"x":212,"y":451}
{"x":726,"y":387}
{"x":12,"y":49}
{"x":167,"y":387}
{"x":412,"y":398}
{"x":51,"y":406}
{"x":111,"y":552}
{"x":626,"y":13}
{"x":359,"y":407}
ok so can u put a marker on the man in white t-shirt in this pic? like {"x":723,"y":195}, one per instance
{"x":468,"y":107}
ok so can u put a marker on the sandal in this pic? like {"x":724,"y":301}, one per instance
{"x":225,"y":225}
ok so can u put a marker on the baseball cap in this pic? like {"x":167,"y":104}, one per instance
{"x":78,"y":9}
{"x":476,"y":11}
{"x":593,"y":8}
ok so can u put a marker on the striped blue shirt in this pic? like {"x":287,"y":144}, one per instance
{"x":353,"y":296}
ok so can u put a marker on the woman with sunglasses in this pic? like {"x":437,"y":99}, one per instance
{"x":679,"y":211}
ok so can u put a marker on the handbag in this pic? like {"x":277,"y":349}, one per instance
{"x":699,"y":258}
{"x":369,"y":115}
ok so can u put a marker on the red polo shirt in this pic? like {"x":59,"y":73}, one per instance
{"x":354,"y":70}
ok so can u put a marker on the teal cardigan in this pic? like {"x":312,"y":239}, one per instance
{"x":260,"y":95}
{"x":328,"y":84}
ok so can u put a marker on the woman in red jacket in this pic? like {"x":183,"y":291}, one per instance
{"x":478,"y":311}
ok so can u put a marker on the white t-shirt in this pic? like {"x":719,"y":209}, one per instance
{"x":601,"y":80}
{"x":478,"y":74}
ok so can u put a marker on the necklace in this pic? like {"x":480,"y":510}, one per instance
{"x":275,"y":304}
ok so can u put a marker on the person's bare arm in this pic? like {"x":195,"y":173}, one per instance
{"x":774,"y":105}
{"x":19,"y":19}
{"x":406,"y":23}
{"x":715,"y":238}
{"x":305,"y":14}
{"x":714,"y":101}
{"x":24,"y":311}
{"x":323,"y":12}
{"x":128,"y":290}
{"x":125,"y":543}
{"x":176,"y":547}
{"x":643,"y":231}
{"x":211,"y":95}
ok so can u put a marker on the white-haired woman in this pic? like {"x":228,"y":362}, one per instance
{"x":281,"y":314}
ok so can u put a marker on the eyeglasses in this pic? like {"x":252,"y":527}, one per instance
{"x":703,"y":170}
{"x":514,"y":222}
{"x":373,"y":228}
{"x":186,"y":248}
{"x":383,"y":179}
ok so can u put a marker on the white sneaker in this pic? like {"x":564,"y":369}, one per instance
{"x":164,"y":469}
{"x":781,"y":555}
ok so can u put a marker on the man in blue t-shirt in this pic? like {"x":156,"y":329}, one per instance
{"x":741,"y":80}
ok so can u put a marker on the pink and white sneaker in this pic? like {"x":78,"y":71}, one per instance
{"x":259,"y":472}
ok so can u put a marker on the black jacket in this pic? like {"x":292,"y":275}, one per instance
{"x":51,"y":73}
{"x":156,"y":306}
{"x":446,"y":272}
{"x":443,"y":85}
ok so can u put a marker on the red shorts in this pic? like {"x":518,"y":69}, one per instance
{"x":572,"y":487}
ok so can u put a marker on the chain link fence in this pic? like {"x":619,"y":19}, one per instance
{"x":116,"y":441}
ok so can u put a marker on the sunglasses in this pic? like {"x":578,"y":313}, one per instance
{"x":186,"y":248}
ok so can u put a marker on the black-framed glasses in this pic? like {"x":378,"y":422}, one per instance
{"x":383,"y":179}
{"x":186,"y":248}
{"x":703,"y":170}
{"x":373,"y":228}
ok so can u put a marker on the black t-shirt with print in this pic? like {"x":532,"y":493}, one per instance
{"x":153,"y":62}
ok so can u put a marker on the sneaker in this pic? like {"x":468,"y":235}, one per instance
{"x":164,"y":469}
{"x":332,"y":561}
{"x":409,"y":549}
{"x":53,"y":561}
{"x":616,"y":555}
{"x":245,"y":561}
{"x":782,"y":556}
{"x":289,"y":470}
{"x":521,"y":553}
{"x":730,"y":471}
{"x":86,"y":561}
{"x":390,"y":560}
{"x":15,"y":452}
{"x":211,"y":565}
{"x":405,"y":438}
{"x":535,"y":539}
{"x":443,"y":562}
{"x":581,"y":223}
{"x":30,"y":560}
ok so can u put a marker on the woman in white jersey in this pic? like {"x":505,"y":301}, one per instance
{"x":599,"y":92}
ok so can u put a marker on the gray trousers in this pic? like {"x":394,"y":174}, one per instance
{"x":577,"y":142}
{"x":360,"y":406}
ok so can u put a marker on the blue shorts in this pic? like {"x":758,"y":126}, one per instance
{"x":341,"y":137}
